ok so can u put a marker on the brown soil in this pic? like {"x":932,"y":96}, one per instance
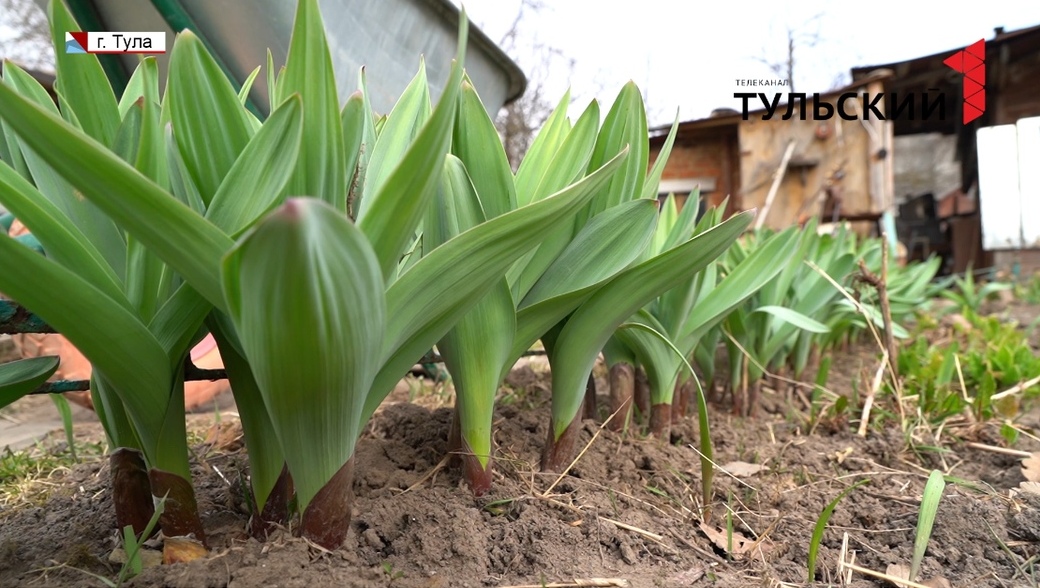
{"x":437,"y":535}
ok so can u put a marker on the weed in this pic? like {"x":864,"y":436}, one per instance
{"x":984,"y":357}
{"x":821,"y":524}
{"x":968,"y":295}
{"x":19,"y":470}
{"x":933,"y":491}
{"x":1028,"y":290}
{"x":62,"y":404}
{"x":388,"y":569}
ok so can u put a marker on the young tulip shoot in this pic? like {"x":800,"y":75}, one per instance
{"x":305,"y":292}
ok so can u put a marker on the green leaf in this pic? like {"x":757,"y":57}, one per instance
{"x":648,"y":339}
{"x":178,"y":235}
{"x":176,"y":323}
{"x":389,"y":218}
{"x":477,"y":144}
{"x":625,"y":125}
{"x":182,"y":186}
{"x":272,"y":86}
{"x":651,"y":188}
{"x":254,"y":183}
{"x":542,"y":151}
{"x":306,"y":297}
{"x":243,"y":92}
{"x":477,"y":346}
{"x":352,"y":120}
{"x":82,"y":81}
{"x":567,"y":166}
{"x":148,"y":280}
{"x":143,"y":84}
{"x":65,"y":411}
{"x":686,"y":223}
{"x":933,"y":491}
{"x":209,"y":122}
{"x":18,"y":378}
{"x":589,"y":328}
{"x":61,"y":239}
{"x":308,"y":71}
{"x":741,"y":282}
{"x":424,"y":303}
{"x":90,"y":320}
{"x":369,"y":136}
{"x":266,"y":459}
{"x":605,"y":246}
{"x":821,"y":525}
{"x":84,"y":215}
{"x":403,"y":125}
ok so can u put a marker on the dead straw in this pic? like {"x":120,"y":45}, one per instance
{"x":636,"y":530}
{"x":996,"y":449}
{"x":579,"y":583}
{"x":843,"y":566}
{"x":1016,"y":389}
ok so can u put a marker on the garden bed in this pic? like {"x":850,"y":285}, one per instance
{"x":627,"y":511}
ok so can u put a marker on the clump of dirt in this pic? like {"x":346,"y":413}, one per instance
{"x":629,"y":509}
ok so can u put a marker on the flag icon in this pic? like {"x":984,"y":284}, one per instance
{"x":72,"y":45}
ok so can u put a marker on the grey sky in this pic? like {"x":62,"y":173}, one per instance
{"x":688,"y":54}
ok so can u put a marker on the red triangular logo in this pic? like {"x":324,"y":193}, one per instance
{"x":970,"y":113}
{"x":977,"y":75}
{"x":971,"y":87}
{"x":971,"y":61}
{"x":977,"y":49}
{"x":955,"y":61}
{"x":977,"y":100}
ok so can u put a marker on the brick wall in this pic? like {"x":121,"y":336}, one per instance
{"x":711,"y":155}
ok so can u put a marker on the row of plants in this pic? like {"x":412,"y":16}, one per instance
{"x":778,"y":301}
{"x":328,"y":248}
{"x":167,"y":215}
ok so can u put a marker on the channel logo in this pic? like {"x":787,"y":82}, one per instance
{"x":114,"y":42}
{"x":971,"y":61}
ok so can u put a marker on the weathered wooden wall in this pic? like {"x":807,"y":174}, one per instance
{"x":835,"y":161}
{"x":848,"y":160}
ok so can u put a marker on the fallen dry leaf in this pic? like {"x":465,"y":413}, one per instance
{"x":182,"y":549}
{"x":839,"y":456}
{"x":149,"y":557}
{"x":225,"y":436}
{"x":720,"y":538}
{"x":743,"y":469}
{"x":1031,"y":467}
{"x":1030,"y":487}
{"x":900,"y":571}
{"x":687,"y":578}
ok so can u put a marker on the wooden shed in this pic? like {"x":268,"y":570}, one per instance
{"x":840,"y":169}
{"x":983,"y":190}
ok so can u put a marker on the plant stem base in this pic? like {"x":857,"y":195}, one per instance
{"x":180,"y":517}
{"x":622,"y":390}
{"x":661,"y":421}
{"x":276,"y":509}
{"x":131,"y":490}
{"x":326,"y":521}
{"x":558,"y":453}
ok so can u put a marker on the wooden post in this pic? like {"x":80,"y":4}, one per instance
{"x":778,"y":177}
